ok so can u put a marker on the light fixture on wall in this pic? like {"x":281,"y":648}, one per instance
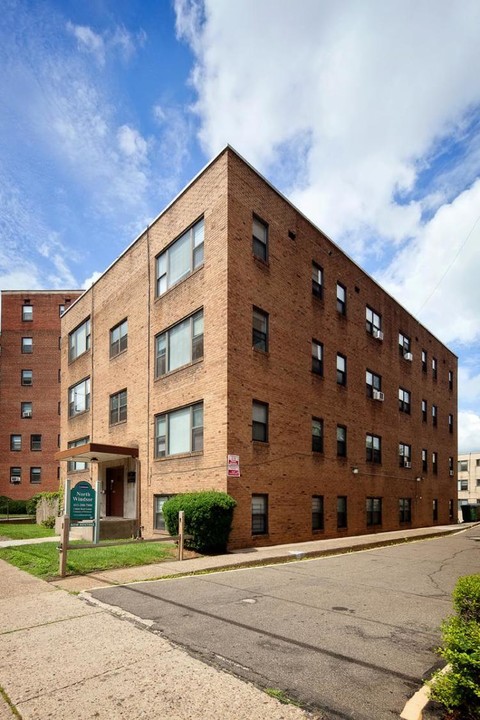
{"x":355,"y":470}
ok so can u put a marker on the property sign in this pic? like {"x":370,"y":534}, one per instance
{"x":82,"y":501}
{"x":233,"y":466}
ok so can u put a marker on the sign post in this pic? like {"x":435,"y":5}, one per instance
{"x":181,"y":533}
{"x":82,"y":503}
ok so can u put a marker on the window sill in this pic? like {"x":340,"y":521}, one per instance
{"x":120,"y":422}
{"x":264,"y":264}
{"x":179,"y":369}
{"x":260,"y":443}
{"x":179,"y":282}
{"x":317,"y":375}
{"x":122,"y":352}
{"x":77,"y":357}
{"x":318,"y":298}
{"x":79,"y":414}
{"x":259,"y":351}
{"x":180,"y":456}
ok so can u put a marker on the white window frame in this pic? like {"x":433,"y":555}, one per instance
{"x":73,"y":394}
{"x":163,"y":431}
{"x":164,"y":340}
{"x":194,"y":236}
{"x":119,"y":338}
{"x":81,"y":333}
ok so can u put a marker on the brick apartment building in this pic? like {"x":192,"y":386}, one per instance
{"x":233,"y":325}
{"x":30,"y":390}
{"x":468,"y":481}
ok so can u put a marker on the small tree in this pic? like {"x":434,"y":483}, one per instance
{"x":208,"y":518}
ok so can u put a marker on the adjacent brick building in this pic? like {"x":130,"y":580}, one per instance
{"x":30,"y":390}
{"x":233,"y":325}
{"x":469,"y":483}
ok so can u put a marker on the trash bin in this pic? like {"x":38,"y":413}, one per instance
{"x":469,"y":513}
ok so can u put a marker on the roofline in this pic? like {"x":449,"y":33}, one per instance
{"x":42,"y":292}
{"x":285,"y":199}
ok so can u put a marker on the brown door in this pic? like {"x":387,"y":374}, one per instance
{"x":115,"y":492}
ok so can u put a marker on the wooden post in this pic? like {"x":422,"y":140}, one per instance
{"x":64,"y":545}
{"x":181,"y":533}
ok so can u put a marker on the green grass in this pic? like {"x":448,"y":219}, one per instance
{"x":18,"y":531}
{"x":42,"y":560}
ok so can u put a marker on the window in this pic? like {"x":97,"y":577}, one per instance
{"x":373,"y":507}
{"x":424,"y":361}
{"x":317,"y":357}
{"x":405,"y":510}
{"x":434,"y":368}
{"x":317,"y":280}
{"x":260,"y":239}
{"x":373,"y":448}
{"x":118,"y":338}
{"x":27,"y":345}
{"x":341,"y":512}
{"x":317,"y":435}
{"x":403,"y":344}
{"x":404,"y":400}
{"x":450,"y":379}
{"x":181,"y":345}
{"x":79,"y":398}
{"x":118,"y":407}
{"x":259,"y":514}
{"x":435,"y":510}
{"x":424,"y":460}
{"x":26,"y":409}
{"x":180,"y":259}
{"x":477,"y":463}
{"x":373,"y":322}
{"x":15,"y":443}
{"x":260,"y":330}
{"x":35,"y":442}
{"x":424,"y":411}
{"x":373,"y":382}
{"x":61,"y":310}
{"x":259,"y":421}
{"x":404,"y":455}
{"x":158,"y":518}
{"x":341,"y":441}
{"x":435,"y":463}
{"x":341,"y":299}
{"x":79,"y":340}
{"x":463,"y":484}
{"x":450,"y":509}
{"x":450,"y":423}
{"x":434,"y":415}
{"x":450,"y":465}
{"x":27,"y":313}
{"x":180,"y":431}
{"x":341,"y":369}
{"x":15,"y":475}
{"x":78,"y":465}
{"x":463,"y":466}
{"x":35,"y":475}
{"x":317,"y":512}
{"x":26,"y":377}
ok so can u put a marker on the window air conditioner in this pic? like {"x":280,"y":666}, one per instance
{"x":407,"y":464}
{"x":377,"y":334}
{"x":451,"y":473}
{"x":377,"y":395}
{"x":27,"y":413}
{"x":15,"y":480}
{"x":408,"y":356}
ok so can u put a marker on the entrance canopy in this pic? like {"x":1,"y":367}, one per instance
{"x":96,"y":452}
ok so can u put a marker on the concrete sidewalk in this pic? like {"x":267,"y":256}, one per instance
{"x":62,"y":658}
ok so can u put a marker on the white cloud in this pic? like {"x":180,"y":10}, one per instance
{"x":117,"y":40}
{"x":468,"y":432}
{"x":469,"y":385}
{"x":88,"y":40}
{"x":131,"y":143}
{"x":88,"y":282}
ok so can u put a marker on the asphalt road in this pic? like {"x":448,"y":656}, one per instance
{"x":350,"y":636}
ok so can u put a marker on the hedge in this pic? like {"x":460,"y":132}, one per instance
{"x":208,"y":518}
{"x":33,"y":502}
{"x":13,"y":507}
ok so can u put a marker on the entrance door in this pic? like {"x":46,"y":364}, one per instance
{"x":114,"y":498}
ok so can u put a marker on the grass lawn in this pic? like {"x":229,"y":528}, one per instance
{"x":18,"y":531}
{"x":42,"y":560}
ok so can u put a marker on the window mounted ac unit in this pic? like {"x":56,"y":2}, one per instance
{"x":378,"y":334}
{"x":378,"y":395}
{"x":407,"y":464}
{"x":408,"y":356}
{"x":15,"y":480}
{"x":451,"y":473}
{"x":27,"y":414}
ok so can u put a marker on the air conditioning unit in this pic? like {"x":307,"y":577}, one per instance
{"x":408,"y":356}
{"x":27,"y":414}
{"x":451,"y":473}
{"x":378,"y":395}
{"x":15,"y":480}
{"x":407,"y":464}
{"x":377,"y":334}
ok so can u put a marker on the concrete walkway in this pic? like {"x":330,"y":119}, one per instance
{"x":62,"y":658}
{"x":32,"y":541}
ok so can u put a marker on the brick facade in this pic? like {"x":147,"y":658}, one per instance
{"x":227,"y":285}
{"x":42,"y":389}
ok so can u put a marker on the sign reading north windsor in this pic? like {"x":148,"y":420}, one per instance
{"x":82,"y":501}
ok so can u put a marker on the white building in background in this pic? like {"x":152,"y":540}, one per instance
{"x":468,"y":481}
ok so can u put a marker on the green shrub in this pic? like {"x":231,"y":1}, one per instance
{"x":49,"y":522}
{"x":14,"y":507}
{"x":33,"y":502}
{"x":459,"y":688}
{"x":208,"y":518}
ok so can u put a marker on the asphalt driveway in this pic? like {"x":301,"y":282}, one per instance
{"x":351,"y":636}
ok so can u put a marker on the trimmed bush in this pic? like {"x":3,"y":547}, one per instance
{"x":49,"y":522}
{"x":14,"y":507}
{"x":459,"y":688}
{"x":208,"y":518}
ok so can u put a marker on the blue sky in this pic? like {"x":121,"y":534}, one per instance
{"x":365,"y":114}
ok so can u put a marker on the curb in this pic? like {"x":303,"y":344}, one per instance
{"x":414,"y":707}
